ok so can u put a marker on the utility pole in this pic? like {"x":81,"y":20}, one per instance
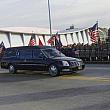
{"x":50,"y":18}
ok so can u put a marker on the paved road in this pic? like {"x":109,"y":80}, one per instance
{"x":85,"y":90}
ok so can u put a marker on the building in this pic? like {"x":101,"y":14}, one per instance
{"x":80,"y":35}
{"x":20,"y":36}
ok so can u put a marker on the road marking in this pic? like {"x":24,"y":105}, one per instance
{"x":85,"y":78}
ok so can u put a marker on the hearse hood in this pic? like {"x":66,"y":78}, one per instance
{"x":66,"y":59}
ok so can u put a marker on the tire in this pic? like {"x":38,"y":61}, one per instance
{"x":12,"y":69}
{"x":53,"y":70}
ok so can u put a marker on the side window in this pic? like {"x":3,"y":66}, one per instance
{"x":25,"y":54}
{"x":37,"y":53}
{"x":10,"y":53}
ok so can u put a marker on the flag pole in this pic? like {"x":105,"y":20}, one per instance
{"x":98,"y":31}
{"x":50,"y":18}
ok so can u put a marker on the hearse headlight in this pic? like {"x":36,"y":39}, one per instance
{"x":65,"y":63}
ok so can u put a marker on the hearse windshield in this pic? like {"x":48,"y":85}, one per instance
{"x":50,"y":53}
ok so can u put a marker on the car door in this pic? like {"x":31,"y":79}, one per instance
{"x":39,"y":60}
{"x":24,"y":57}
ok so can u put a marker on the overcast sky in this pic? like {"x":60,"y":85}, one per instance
{"x":34,"y":13}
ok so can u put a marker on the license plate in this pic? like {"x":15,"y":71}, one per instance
{"x":66,"y":70}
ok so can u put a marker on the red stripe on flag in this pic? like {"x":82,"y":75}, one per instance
{"x":93,"y":33}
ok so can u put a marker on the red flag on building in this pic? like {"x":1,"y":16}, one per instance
{"x":93,"y":32}
{"x":32,"y":41}
{"x":51,"y":40}
{"x":40,"y":42}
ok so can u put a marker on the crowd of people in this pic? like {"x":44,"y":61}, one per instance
{"x":93,"y":52}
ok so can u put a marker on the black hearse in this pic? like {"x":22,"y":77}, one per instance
{"x":40,"y":58}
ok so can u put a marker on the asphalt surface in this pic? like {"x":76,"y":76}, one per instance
{"x":84,"y":90}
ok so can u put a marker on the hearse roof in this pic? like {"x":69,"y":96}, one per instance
{"x":30,"y":47}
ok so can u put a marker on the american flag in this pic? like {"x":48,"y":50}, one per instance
{"x":32,"y":41}
{"x":93,"y":32}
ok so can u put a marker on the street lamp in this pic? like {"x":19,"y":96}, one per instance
{"x":50,"y":18}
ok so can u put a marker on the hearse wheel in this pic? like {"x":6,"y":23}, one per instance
{"x":12,"y":69}
{"x":53,"y":70}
